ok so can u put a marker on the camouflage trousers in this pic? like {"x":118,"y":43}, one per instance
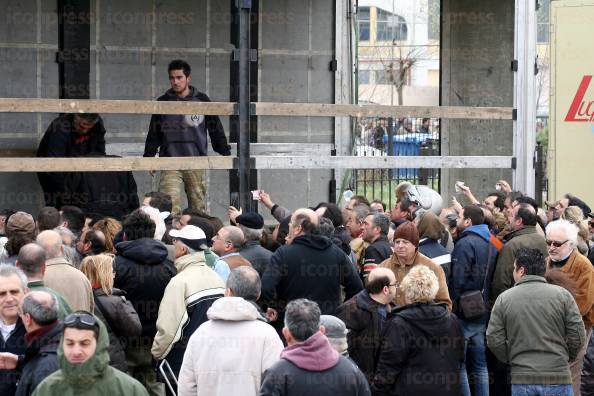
{"x":194,"y":184}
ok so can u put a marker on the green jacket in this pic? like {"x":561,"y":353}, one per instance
{"x":211,"y":258}
{"x":537,"y":329}
{"x":92,"y":378}
{"x":63,"y":307}
{"x":503,"y":277}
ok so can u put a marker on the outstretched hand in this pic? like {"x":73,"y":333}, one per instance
{"x":265,"y":199}
{"x":233,"y":212}
{"x":8,"y":361}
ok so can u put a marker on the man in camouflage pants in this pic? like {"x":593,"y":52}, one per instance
{"x":184,"y":136}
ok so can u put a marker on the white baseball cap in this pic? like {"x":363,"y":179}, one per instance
{"x":191,"y":236}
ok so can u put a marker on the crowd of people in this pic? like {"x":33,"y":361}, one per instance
{"x":476,"y":298}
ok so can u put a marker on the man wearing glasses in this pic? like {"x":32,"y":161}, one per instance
{"x":562,"y":238}
{"x":226,"y":244}
{"x":365,"y":315}
{"x":84,"y":362}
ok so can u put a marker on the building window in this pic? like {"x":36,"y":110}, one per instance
{"x":390,"y":27}
{"x":363,"y":14}
{"x":381,"y":77}
{"x":364,"y":76}
{"x":542,"y":22}
{"x":433,"y":20}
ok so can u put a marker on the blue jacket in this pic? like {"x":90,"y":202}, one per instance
{"x":473,"y":258}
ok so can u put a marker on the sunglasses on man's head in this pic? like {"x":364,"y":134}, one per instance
{"x":80,"y":317}
{"x":556,"y":243}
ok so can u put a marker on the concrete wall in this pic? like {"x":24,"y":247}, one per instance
{"x":131,"y":45}
{"x":477,"y":50}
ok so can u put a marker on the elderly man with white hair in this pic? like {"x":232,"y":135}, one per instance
{"x":562,"y":240}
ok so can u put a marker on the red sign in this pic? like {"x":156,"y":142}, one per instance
{"x":580,"y":110}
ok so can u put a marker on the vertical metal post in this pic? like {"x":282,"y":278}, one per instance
{"x":74,"y":37}
{"x":525,"y":95}
{"x":245,"y":8}
{"x":390,"y":146}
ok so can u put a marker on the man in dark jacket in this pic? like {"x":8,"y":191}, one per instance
{"x":70,"y":135}
{"x":310,"y":266}
{"x":252,"y":225}
{"x":375,"y":232}
{"x":142,"y":271}
{"x":39,"y":312}
{"x":184,"y":136}
{"x":473,"y":263}
{"x":310,"y":359}
{"x":364,"y":316}
{"x":111,"y":194}
{"x":423,"y":344}
{"x":13,"y":286}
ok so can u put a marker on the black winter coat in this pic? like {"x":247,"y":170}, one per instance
{"x":421,"y":354}
{"x":61,"y":140}
{"x":41,"y":359}
{"x":286,"y":379}
{"x":310,"y":267}
{"x":121,"y":321}
{"x":111,"y":194}
{"x":360,"y":314}
{"x":143,"y":271}
{"x":14,"y":344}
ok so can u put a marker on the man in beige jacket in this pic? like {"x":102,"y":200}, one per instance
{"x":61,"y":276}
{"x":187,"y":297}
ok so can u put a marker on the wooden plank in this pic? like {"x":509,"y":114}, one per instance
{"x":351,"y":162}
{"x":113,"y":164}
{"x":262,"y":162}
{"x":20,"y":105}
{"x":342,"y":110}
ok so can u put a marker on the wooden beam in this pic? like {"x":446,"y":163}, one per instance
{"x":340,"y":110}
{"x":19,"y":105}
{"x":313,"y":161}
{"x":113,"y":164}
{"x":351,"y":162}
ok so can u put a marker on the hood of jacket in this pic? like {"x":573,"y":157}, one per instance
{"x":313,"y":354}
{"x":317,"y":242}
{"x":144,"y":250}
{"x":181,"y":263}
{"x":87,"y":373}
{"x":430,"y":318}
{"x":235,"y":309}
{"x":171,"y":95}
{"x":481,"y":230}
